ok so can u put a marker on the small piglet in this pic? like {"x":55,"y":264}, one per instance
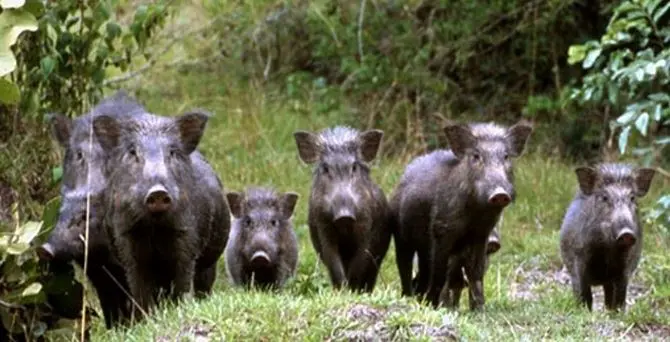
{"x":262,"y":248}
{"x":348,"y":212}
{"x":601,"y":235}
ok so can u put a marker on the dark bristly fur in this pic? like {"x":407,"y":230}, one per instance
{"x":442,"y":202}
{"x":601,"y":234}
{"x":81,"y":157}
{"x":170,"y":250}
{"x":348,"y":212}
{"x":262,"y":224}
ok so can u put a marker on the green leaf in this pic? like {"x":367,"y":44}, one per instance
{"x":623,"y":139}
{"x":113,"y":30}
{"x":9,"y":92}
{"x":12,"y":3}
{"x":625,"y":118}
{"x":576,"y":53}
{"x":47,"y":65}
{"x":657,"y":113}
{"x":56,"y":173}
{"x":17,"y":248}
{"x":50,"y":213}
{"x":591,"y":58}
{"x":28,"y":231}
{"x":642,"y":123}
{"x":14,"y":22}
{"x":612,"y":92}
{"x":32,"y":289}
{"x":660,"y":12}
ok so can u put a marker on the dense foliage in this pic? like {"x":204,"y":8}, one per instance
{"x":629,"y":75}
{"x":54,"y":57}
{"x":409,"y":65}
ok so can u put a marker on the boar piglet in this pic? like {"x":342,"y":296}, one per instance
{"x":83,"y":175}
{"x":153,"y":205}
{"x":348,"y":212}
{"x":478,"y":183}
{"x":601,"y":235}
{"x":262,"y":249}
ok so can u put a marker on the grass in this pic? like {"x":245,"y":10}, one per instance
{"x":249,"y":141}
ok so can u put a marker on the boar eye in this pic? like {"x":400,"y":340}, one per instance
{"x":354,"y":168}
{"x":132,"y":152}
{"x":274,"y":223}
{"x":506,"y":156}
{"x":247,"y":221}
{"x":476,"y":156}
{"x":632,"y":198}
{"x":324,"y":168}
{"x":173,"y":153}
{"x":80,"y":155}
{"x":604,"y":198}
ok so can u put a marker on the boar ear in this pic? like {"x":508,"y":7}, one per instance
{"x":308,"y":148}
{"x":61,"y":126}
{"x":459,"y":137}
{"x":289,"y":199}
{"x":370,"y":142}
{"x":235,"y":203}
{"x":107,"y":130}
{"x":643,"y":180}
{"x":191,"y":128}
{"x":517,"y":136}
{"x":586,"y":177}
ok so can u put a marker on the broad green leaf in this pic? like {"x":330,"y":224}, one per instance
{"x":658,"y":97}
{"x":9,"y":92}
{"x":13,"y":23}
{"x":50,"y":213}
{"x":660,"y":12}
{"x":642,"y":123}
{"x":657,"y":113}
{"x":623,"y":139}
{"x":17,"y":248}
{"x":662,"y":141}
{"x":591,"y":58}
{"x":625,"y":118}
{"x":612,"y":92}
{"x":5,"y":4}
{"x":32,"y":289}
{"x":576,"y":53}
{"x":47,"y":64}
{"x":28,"y":231}
{"x":56,"y":173}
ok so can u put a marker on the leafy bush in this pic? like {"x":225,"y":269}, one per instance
{"x":629,"y":70}
{"x":54,"y":57}
{"x":409,"y":65}
{"x":35,"y":302}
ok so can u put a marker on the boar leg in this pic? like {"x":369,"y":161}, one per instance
{"x":475,"y":267}
{"x":582,"y":288}
{"x":203,"y":281}
{"x":331,"y":257}
{"x":403,"y":256}
{"x":620,"y":289}
{"x":423,"y":275}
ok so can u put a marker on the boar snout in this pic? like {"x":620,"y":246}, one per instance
{"x":344,"y":217}
{"x":46,"y":252}
{"x":499,"y":197}
{"x":158,"y":199}
{"x":493,"y":245}
{"x":626,"y":237}
{"x":260,"y":259}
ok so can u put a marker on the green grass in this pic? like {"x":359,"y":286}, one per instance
{"x":249,"y":141}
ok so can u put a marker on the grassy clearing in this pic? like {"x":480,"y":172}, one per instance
{"x":249,"y":141}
